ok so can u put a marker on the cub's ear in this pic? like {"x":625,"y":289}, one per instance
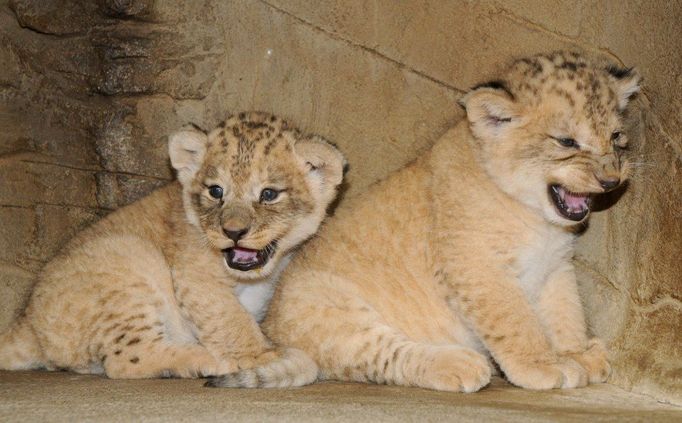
{"x":186,"y":149}
{"x":490,"y":109}
{"x":627,"y":84}
{"x":325,"y":163}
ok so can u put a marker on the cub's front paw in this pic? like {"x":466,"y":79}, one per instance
{"x":455,"y":369}
{"x":562,"y":373}
{"x":595,"y":361}
{"x":225,"y":365}
{"x":257,"y":360}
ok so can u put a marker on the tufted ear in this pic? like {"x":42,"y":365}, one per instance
{"x":627,"y":84}
{"x":325,"y":163}
{"x":490,"y":109}
{"x":186,"y":149}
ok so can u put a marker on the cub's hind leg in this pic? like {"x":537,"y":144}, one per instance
{"x":350,"y":341}
{"x":120,"y":318}
{"x":378,"y":353}
{"x":155,"y":359}
{"x":151,"y":342}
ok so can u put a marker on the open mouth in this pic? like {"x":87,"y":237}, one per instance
{"x":245,"y":259}
{"x":571,"y":205}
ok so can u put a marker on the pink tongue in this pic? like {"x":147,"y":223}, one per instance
{"x":243,"y":255}
{"x":575,"y":202}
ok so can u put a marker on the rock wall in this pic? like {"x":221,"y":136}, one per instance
{"x":89,"y":91}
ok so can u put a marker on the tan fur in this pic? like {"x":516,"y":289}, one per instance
{"x":461,"y":258}
{"x":146,"y":291}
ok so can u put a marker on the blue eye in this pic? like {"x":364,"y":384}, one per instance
{"x":215,"y":191}
{"x":268,"y":195}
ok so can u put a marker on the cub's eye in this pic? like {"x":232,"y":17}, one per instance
{"x":567,"y":142}
{"x":268,"y":195}
{"x":215,"y":191}
{"x":615,"y":136}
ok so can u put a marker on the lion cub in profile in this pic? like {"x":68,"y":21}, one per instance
{"x":154,"y":289}
{"x":465,"y":255}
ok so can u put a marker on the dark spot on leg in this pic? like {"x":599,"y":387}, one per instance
{"x":386,"y":362}
{"x":137,"y":316}
{"x":117,"y":352}
{"x":135,"y":360}
{"x":118,"y":339}
{"x":109,"y":329}
{"x":569,"y":65}
{"x":134,"y":341}
{"x":396,"y":353}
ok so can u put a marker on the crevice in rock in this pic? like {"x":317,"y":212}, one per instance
{"x":366,"y":49}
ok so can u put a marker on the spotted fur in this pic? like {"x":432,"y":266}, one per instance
{"x":147,"y":292}
{"x":463,"y":258}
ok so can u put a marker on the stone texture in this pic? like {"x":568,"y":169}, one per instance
{"x":89,"y":92}
{"x":18,"y":227}
{"x":15,"y":286}
{"x":26,"y":182}
{"x":57,"y":224}
{"x":633,"y":287}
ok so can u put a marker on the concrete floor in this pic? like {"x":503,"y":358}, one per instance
{"x":60,"y":396}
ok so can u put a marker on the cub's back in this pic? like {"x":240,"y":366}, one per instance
{"x":153,"y":218}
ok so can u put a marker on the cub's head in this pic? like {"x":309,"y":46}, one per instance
{"x":550,"y":131}
{"x":255,"y":187}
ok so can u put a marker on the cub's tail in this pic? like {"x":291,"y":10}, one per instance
{"x":19,"y":347}
{"x":293,"y":368}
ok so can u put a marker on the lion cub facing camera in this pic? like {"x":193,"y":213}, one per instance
{"x":465,"y":255}
{"x":154,"y":289}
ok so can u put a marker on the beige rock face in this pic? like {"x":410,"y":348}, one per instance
{"x":89,"y":92}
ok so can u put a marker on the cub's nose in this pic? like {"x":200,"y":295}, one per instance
{"x":609,"y":184}
{"x":235,"y":234}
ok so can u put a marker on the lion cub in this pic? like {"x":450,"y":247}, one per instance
{"x":465,"y":255}
{"x":154,"y":289}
